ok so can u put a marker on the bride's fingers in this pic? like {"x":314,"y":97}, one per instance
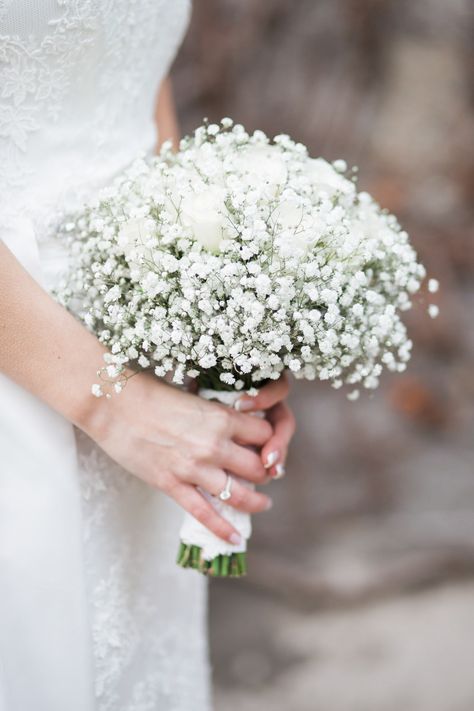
{"x":242,"y":498}
{"x":273,"y":454}
{"x":242,"y":461}
{"x":187,"y":496}
{"x":249,"y":429}
{"x":268,"y":395}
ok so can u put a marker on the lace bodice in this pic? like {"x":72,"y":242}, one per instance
{"x":78,"y":81}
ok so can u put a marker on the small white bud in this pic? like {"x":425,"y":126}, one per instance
{"x":213,"y":129}
{"x":340,"y":165}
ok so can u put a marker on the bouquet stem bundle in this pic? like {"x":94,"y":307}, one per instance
{"x":199,"y":548}
{"x":232,"y":565}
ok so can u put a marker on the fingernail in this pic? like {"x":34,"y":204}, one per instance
{"x":280,"y":471}
{"x":268,"y":505}
{"x":235,"y":539}
{"x":243,"y":405}
{"x":271,"y":459}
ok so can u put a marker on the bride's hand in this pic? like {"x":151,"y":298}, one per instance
{"x":174,"y":440}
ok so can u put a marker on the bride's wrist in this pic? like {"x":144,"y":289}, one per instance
{"x":88,"y":413}
{"x":96,"y":415}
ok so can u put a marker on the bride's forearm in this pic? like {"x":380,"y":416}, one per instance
{"x":165,"y":115}
{"x":42,"y":347}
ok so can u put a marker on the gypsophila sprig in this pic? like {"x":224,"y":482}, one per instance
{"x":237,"y":258}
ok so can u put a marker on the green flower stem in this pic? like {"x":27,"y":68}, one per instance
{"x":233,"y":565}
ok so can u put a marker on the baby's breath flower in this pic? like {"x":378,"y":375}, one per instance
{"x":237,"y":258}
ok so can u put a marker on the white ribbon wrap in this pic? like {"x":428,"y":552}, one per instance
{"x":192,"y":531}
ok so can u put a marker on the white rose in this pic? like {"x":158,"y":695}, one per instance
{"x":203,"y":213}
{"x":263,"y":164}
{"x":324,"y":177}
{"x":291,"y":216}
{"x":132,"y":237}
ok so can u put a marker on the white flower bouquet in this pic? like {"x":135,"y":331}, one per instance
{"x":235,"y":259}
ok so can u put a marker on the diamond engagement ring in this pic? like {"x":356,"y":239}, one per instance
{"x":226,"y":493}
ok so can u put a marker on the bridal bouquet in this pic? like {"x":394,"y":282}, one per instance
{"x":231,"y":261}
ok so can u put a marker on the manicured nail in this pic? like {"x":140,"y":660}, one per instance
{"x":268,"y":505}
{"x":271,"y":459}
{"x":244,"y":404}
{"x":280,"y":471}
{"x":235,"y":539}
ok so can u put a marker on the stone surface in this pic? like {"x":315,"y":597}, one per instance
{"x":411,"y":653}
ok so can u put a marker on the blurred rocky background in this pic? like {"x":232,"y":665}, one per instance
{"x":360,"y":595}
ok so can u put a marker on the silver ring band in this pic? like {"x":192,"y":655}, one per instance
{"x":225,"y":494}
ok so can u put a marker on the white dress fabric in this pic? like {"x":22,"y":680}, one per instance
{"x":95,"y":615}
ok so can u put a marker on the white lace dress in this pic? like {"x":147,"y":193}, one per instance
{"x":94,"y":613}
